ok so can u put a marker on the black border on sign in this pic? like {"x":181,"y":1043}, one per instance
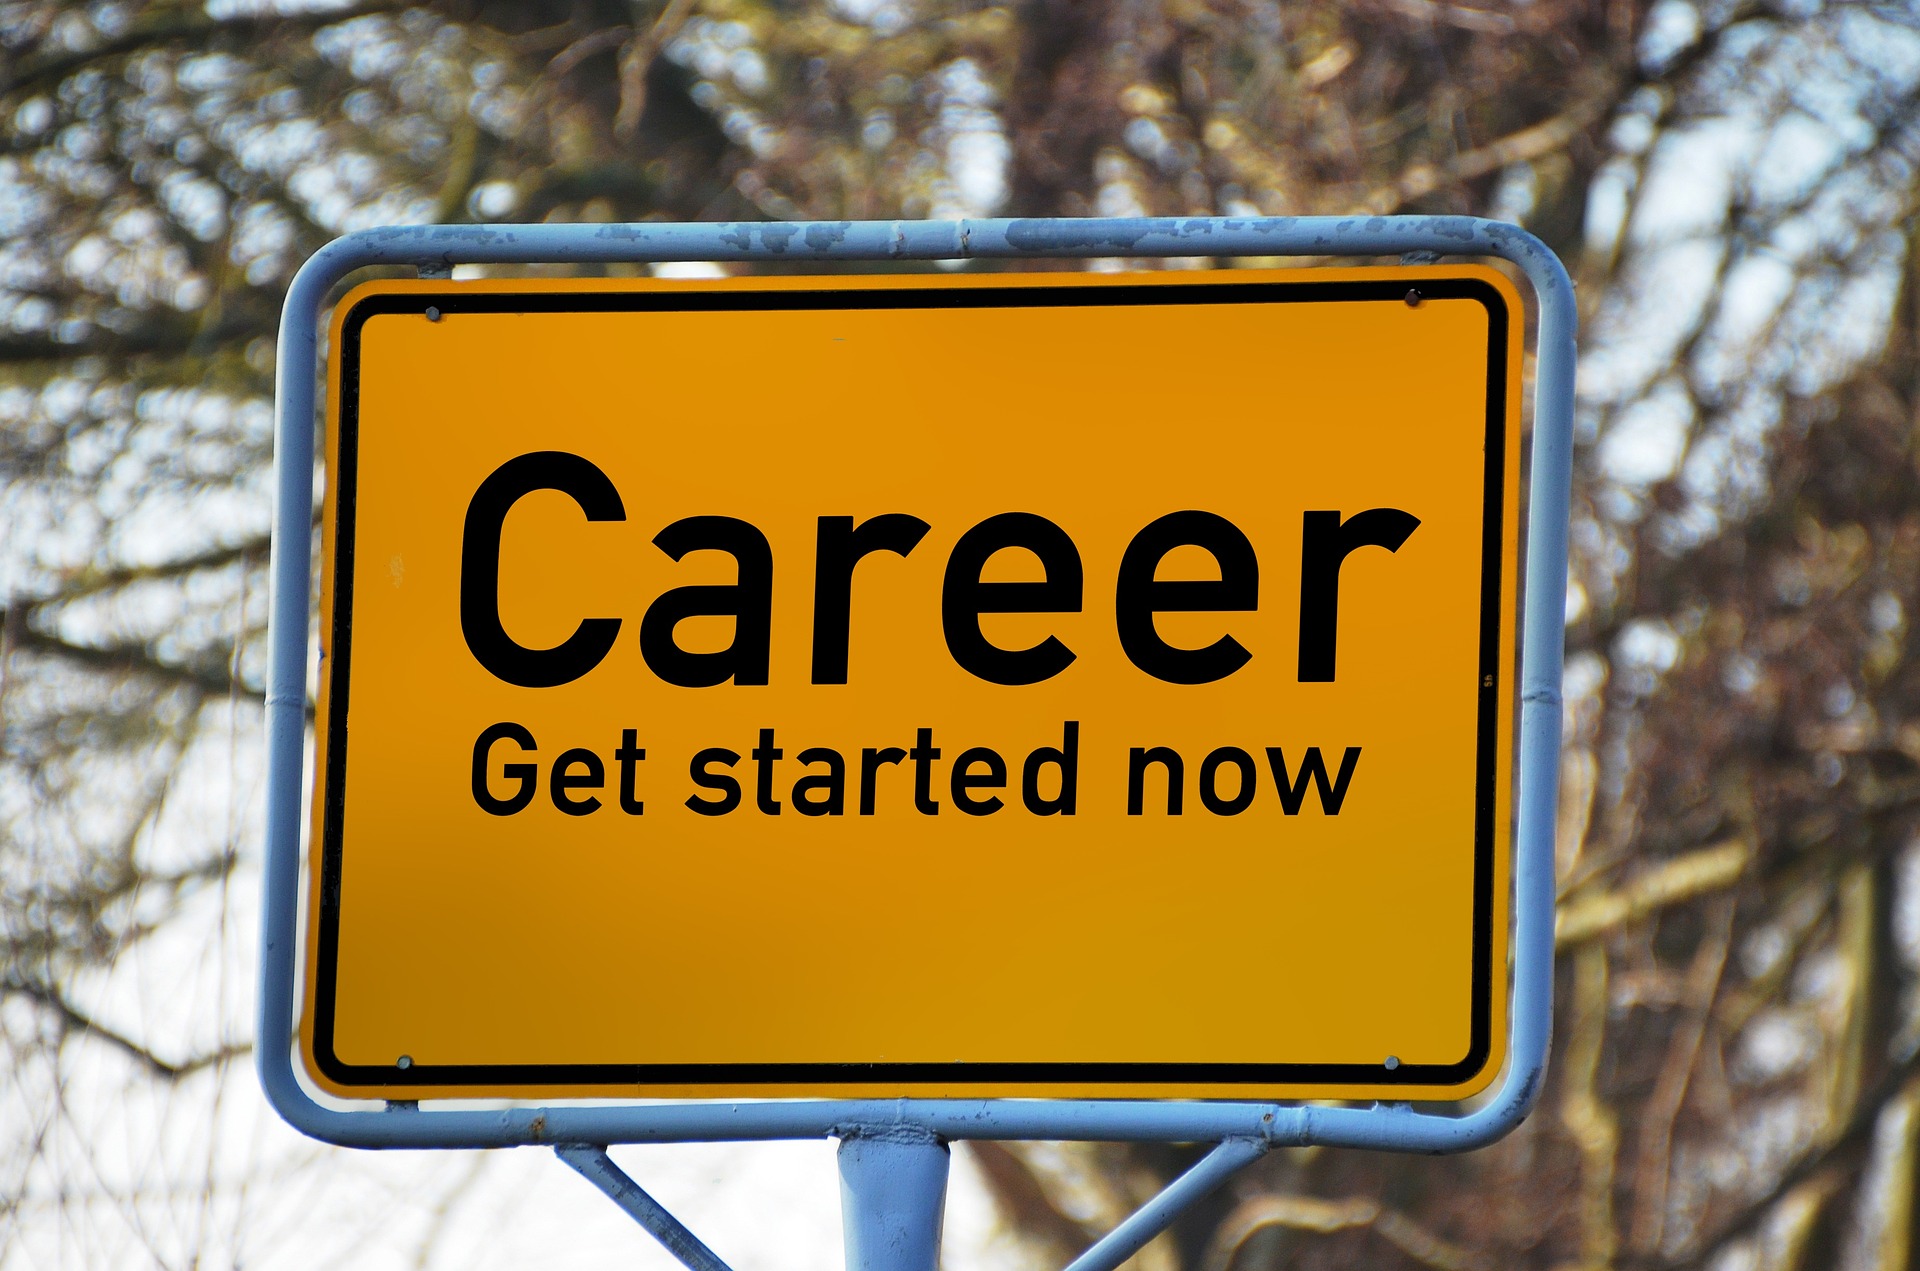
{"x":341,"y":488}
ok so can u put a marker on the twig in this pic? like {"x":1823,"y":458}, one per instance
{"x":1018,"y":1195}
{"x":1814,"y":1164}
{"x":1325,"y":1217}
{"x":37,"y":69}
{"x":1583,"y":918}
{"x":1589,"y":1120}
{"x":77,"y":1021}
{"x":93,"y":581}
{"x":1654,"y":1156}
{"x":585,"y":47}
{"x":132,"y":659}
{"x":1530,"y":143}
{"x":636,"y":59}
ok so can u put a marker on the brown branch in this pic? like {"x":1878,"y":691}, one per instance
{"x":636,"y":60}
{"x":1025,"y":1204}
{"x":211,"y":677}
{"x":1590,"y":1121}
{"x":1589,"y":916}
{"x":162,"y":336}
{"x":1816,"y":1164}
{"x":42,"y":68}
{"x":1653,"y":1155}
{"x":11,"y":625}
{"x":74,"y":1020}
{"x":585,"y":47}
{"x":1854,"y":940}
{"x":94,"y":581}
{"x":1895,"y":1245}
{"x":462,"y":169}
{"x":1481,"y":21}
{"x":1546,"y":137}
{"x":1325,"y":1217}
{"x":622,"y":183}
{"x":1530,"y":143}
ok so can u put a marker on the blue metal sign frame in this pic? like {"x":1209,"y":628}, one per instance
{"x":886,"y":1144}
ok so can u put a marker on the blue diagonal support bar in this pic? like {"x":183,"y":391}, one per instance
{"x":599,"y":1169}
{"x":1154,"y":1217}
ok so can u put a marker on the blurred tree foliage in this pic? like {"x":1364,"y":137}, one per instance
{"x":1735,"y":1082}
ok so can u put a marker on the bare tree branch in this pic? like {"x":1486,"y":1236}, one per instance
{"x":76,"y":1021}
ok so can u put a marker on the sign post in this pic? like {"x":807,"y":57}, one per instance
{"x":774,"y":695}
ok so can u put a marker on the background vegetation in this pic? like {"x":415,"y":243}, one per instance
{"x":1734,"y":1083}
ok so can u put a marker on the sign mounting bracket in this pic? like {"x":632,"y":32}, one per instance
{"x":897,"y":1139}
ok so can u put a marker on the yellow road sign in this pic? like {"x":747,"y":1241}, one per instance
{"x":984,"y":685}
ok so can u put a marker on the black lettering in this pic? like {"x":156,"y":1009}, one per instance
{"x":729,"y":788}
{"x":629,"y":754}
{"x":487,"y":640}
{"x":838,"y":548}
{"x":963,"y":597}
{"x":749,"y":602}
{"x":763,"y":758}
{"x":870,"y":761}
{"x":1293,"y":790}
{"x":1325,"y":543}
{"x":562,"y":781}
{"x":1210,"y":777}
{"x":833,"y":781}
{"x":1067,"y":759}
{"x":923,"y":754}
{"x":994,"y":778}
{"x":1139,"y":595}
{"x":1168,"y":758}
{"x":528,"y":775}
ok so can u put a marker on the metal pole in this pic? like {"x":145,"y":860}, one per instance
{"x":1154,"y":1217}
{"x":893,"y":1199}
{"x":598,"y":1168}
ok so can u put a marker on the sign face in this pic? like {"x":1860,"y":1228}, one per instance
{"x":1093,"y":685}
